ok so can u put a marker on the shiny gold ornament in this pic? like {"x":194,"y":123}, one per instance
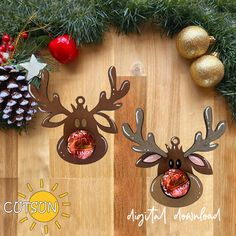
{"x":193,"y":41}
{"x":207,"y":71}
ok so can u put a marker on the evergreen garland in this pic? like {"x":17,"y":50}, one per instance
{"x":87,"y":21}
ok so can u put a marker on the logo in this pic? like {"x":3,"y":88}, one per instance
{"x":40,"y":207}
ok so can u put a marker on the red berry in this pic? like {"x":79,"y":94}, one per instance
{"x":10,"y":47}
{"x":3,"y":48}
{"x":24,"y":35}
{"x":4,"y":60}
{"x":6,"y":38}
{"x":1,"y":56}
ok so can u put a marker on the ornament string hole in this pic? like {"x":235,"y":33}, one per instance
{"x":175,"y":141}
{"x":80,"y":100}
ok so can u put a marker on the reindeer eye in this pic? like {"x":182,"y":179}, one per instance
{"x":84,"y":123}
{"x":178,"y":163}
{"x":77,"y":123}
{"x":171,"y":163}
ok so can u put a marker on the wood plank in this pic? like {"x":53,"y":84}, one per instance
{"x":175,"y":108}
{"x":130,"y":181}
{"x":8,"y":154}
{"x":8,"y":193}
{"x":87,"y":76}
{"x":224,"y":173}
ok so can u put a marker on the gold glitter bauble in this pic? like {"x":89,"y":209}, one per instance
{"x":207,"y":71}
{"x":193,"y":41}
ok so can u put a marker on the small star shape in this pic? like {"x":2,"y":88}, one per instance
{"x":33,"y":67}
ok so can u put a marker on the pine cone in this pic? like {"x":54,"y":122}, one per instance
{"x":17,"y":107}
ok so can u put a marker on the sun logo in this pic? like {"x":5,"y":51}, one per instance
{"x":43,"y":206}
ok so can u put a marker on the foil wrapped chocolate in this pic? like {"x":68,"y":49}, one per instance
{"x":81,"y":144}
{"x":175,"y":183}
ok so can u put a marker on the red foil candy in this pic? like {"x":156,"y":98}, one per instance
{"x":81,"y":144}
{"x":175,"y":183}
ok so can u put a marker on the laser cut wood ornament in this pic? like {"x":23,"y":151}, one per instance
{"x":175,"y":184}
{"x":80,"y":127}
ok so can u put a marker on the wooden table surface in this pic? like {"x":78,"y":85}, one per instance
{"x":103,"y":194}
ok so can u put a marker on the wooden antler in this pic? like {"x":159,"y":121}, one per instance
{"x":108,"y":104}
{"x":53,"y":107}
{"x":148,"y":145}
{"x":205,"y":145}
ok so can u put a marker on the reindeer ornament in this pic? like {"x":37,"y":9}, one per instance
{"x":81,"y":142}
{"x":175,"y":184}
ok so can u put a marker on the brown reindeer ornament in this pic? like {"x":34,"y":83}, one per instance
{"x":175,"y":184}
{"x":81,"y":142}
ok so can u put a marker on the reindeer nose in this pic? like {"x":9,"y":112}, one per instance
{"x":175,"y":183}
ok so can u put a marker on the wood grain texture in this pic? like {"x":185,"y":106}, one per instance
{"x":8,"y":193}
{"x":130,"y":182}
{"x":102,"y":194}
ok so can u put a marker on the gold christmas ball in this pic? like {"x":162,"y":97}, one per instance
{"x":193,"y":41}
{"x":207,"y":71}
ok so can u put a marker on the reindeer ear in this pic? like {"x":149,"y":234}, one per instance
{"x":111,"y":128}
{"x":149,"y":160}
{"x":200,"y":164}
{"x":55,"y":121}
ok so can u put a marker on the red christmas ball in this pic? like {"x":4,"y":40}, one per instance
{"x":24,"y":35}
{"x":81,"y":144}
{"x":175,"y":183}
{"x":63,"y":48}
{"x":6,"y":38}
{"x":3,"y":48}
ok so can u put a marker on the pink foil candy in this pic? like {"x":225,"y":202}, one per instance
{"x":81,"y":144}
{"x":175,"y":183}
